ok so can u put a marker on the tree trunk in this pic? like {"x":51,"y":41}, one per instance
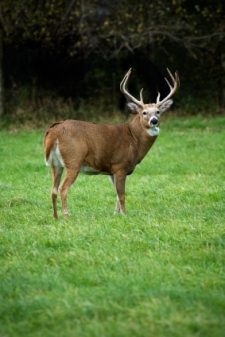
{"x":223,"y":80}
{"x":1,"y":75}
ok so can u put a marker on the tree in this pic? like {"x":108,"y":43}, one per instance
{"x":110,"y":28}
{"x":1,"y":76}
{"x":107,"y":27}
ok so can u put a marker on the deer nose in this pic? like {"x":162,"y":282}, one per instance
{"x":154,"y":121}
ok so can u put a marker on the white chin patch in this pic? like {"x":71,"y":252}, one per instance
{"x":153,"y":131}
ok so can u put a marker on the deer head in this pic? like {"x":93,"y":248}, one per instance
{"x":150,"y":113}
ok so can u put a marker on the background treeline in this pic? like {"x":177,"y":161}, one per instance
{"x":65,"y":57}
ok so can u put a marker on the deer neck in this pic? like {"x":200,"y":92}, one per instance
{"x":141,"y":136}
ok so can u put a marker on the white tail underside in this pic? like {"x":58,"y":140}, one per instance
{"x":55,"y":157}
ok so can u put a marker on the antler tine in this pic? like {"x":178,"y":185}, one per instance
{"x":158,"y":97}
{"x":141,"y":96}
{"x":176,"y":85}
{"x":173,"y":79}
{"x":126,"y":93}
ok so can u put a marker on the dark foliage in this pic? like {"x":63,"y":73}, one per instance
{"x":80,"y":50}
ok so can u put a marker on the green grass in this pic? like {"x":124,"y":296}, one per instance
{"x":158,"y":271}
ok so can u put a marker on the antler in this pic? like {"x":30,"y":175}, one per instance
{"x":126,"y":93}
{"x":176,"y":85}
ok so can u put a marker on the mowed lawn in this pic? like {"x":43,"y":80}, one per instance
{"x":157,"y":271}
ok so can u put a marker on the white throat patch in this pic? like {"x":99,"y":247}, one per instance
{"x":153,"y":131}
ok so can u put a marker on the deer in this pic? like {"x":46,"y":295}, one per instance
{"x":107,"y":149}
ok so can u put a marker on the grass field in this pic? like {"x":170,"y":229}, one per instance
{"x":157,"y":271}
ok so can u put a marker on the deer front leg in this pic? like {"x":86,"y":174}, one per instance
{"x":117,"y":208}
{"x":119,"y":183}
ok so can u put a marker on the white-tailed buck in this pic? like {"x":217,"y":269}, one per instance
{"x":108,"y":149}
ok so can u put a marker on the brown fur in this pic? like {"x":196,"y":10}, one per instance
{"x":113,"y":149}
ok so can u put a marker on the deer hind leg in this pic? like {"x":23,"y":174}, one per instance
{"x":118,"y":181}
{"x":56,"y":177}
{"x":71,"y":175}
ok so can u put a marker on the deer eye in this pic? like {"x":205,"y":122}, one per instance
{"x":144,"y":113}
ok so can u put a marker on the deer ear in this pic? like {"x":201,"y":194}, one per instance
{"x":133,"y":108}
{"x":165,"y":106}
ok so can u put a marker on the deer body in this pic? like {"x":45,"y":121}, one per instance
{"x":108,"y":149}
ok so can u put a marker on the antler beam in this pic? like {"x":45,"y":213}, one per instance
{"x":176,"y":85}
{"x":126,"y":93}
